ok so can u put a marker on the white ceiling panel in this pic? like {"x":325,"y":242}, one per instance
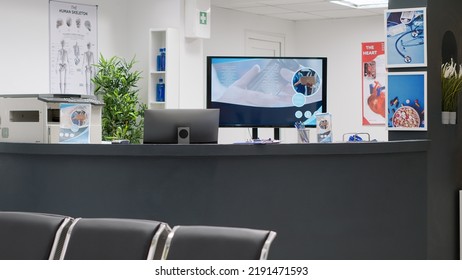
{"x":264,"y":10}
{"x":295,"y":9}
{"x":376,"y":11}
{"x":297,"y":16}
{"x":319,"y":6}
{"x":284,"y":2}
{"x":233,"y":5}
{"x":343,"y":13}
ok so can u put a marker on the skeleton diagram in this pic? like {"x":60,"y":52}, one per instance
{"x":63,"y":63}
{"x":89,"y":60}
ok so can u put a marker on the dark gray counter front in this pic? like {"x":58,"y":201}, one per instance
{"x":325,"y":201}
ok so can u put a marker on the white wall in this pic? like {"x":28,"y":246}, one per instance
{"x":143,"y":15}
{"x":112,"y":26}
{"x":24,"y":52}
{"x":123,"y":31}
{"x":146,"y":14}
{"x":229,"y":27}
{"x":228,"y":38}
{"x":340,"y":41}
{"x":24,"y":48}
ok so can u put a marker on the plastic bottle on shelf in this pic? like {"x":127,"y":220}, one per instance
{"x":162,"y":59}
{"x":159,"y":60}
{"x":160,"y":91}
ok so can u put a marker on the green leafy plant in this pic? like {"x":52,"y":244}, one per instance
{"x":451,"y":85}
{"x":123,"y":113}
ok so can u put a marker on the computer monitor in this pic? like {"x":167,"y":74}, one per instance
{"x":181,"y":126}
{"x":267,"y":91}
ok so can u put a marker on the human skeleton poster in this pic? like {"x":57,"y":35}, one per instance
{"x":73,"y":47}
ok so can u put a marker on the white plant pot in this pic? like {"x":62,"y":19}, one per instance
{"x":445,"y":117}
{"x":452,"y":117}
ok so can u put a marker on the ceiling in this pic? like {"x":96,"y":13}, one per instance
{"x":295,"y":9}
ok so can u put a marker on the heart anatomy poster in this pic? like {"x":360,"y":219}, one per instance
{"x":73,"y":47}
{"x":374,"y":80}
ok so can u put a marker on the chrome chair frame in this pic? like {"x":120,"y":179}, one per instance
{"x":159,"y":238}
{"x":58,"y":235}
{"x":263,"y":255}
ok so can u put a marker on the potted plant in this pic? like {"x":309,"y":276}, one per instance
{"x":451,"y":86}
{"x":115,"y":83}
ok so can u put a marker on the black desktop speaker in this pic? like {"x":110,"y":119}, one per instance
{"x":183,"y":135}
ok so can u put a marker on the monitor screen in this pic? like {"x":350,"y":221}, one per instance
{"x":266,"y":91}
{"x":161,"y":126}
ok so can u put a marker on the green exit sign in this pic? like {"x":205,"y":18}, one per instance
{"x":203,"y":18}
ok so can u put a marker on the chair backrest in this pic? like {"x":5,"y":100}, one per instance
{"x":31,"y":236}
{"x":217,"y":243}
{"x":114,"y":239}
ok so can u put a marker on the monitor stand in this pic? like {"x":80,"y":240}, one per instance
{"x":255,"y":133}
{"x":277,"y":134}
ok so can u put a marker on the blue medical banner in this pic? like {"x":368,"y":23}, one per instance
{"x":407,"y":101}
{"x":74,"y":125}
{"x":406,"y":42}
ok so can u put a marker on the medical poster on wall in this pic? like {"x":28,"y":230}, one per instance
{"x":374,"y":80}
{"x":407,"y":101}
{"x":406,"y":44}
{"x":73,"y":47}
{"x":74,"y":124}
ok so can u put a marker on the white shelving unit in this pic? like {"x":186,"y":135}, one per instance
{"x":169,"y":39}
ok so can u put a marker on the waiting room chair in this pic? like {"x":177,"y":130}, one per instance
{"x":217,"y":243}
{"x":31,"y":236}
{"x":114,"y":239}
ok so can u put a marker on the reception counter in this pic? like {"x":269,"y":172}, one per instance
{"x":325,"y":201}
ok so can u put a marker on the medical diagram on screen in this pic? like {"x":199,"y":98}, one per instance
{"x":264,"y":82}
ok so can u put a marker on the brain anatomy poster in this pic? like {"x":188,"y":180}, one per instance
{"x":73,"y":47}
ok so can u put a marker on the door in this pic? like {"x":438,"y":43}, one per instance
{"x":259,"y":44}
{"x":256,"y":44}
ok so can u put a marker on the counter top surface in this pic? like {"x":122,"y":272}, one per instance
{"x":216,"y":150}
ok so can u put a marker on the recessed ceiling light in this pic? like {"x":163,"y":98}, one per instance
{"x":363,"y":4}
